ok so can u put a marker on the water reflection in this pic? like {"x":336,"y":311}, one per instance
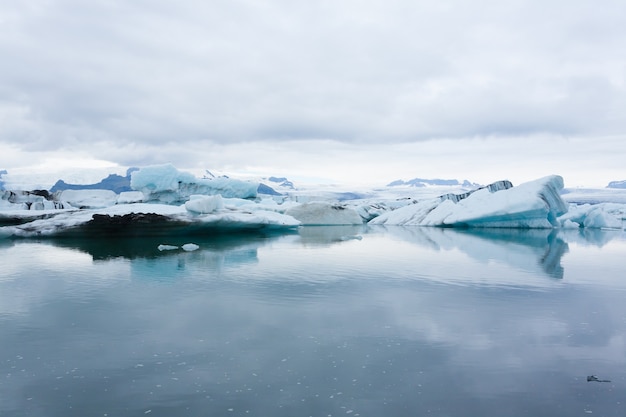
{"x":107,"y":247}
{"x":534,"y":250}
{"x":323,"y":235}
{"x":521,"y":248}
{"x":317,"y":323}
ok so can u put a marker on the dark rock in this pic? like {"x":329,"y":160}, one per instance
{"x":496,"y":186}
{"x":132,"y":224}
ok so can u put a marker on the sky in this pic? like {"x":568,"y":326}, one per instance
{"x":332,"y":90}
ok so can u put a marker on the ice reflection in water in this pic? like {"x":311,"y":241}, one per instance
{"x":332,"y":321}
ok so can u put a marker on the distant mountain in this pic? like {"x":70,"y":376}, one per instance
{"x":113,"y":182}
{"x":118,"y":183}
{"x":278,"y":182}
{"x":422,"y":182}
{"x":282,"y":181}
{"x":617,"y":184}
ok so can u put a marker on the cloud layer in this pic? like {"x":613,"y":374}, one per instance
{"x":142,"y":78}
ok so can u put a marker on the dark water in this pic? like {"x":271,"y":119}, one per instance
{"x":335,"y":321}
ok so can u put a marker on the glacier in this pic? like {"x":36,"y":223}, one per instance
{"x":165,"y":201}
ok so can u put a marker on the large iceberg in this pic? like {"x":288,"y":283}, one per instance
{"x":166,"y":184}
{"x":147,"y":219}
{"x":535,"y":204}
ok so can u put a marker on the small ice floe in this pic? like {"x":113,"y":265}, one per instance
{"x":190,"y":247}
{"x":166,"y":247}
{"x":594,"y":378}
{"x":346,"y":238}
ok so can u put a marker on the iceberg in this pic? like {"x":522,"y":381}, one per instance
{"x":201,"y":204}
{"x":88,"y":198}
{"x":594,"y":216}
{"x":324,"y":214}
{"x":29,"y":200}
{"x":166,"y":184}
{"x":535,"y":204}
{"x":143,"y":219}
{"x":190,"y":247}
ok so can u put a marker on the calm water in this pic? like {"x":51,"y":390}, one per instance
{"x":333,"y":321}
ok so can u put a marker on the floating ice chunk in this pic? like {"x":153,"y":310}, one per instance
{"x":89,"y":198}
{"x":576,"y":214}
{"x":166,"y":247}
{"x":600,"y":219}
{"x":568,"y":224}
{"x":166,"y":184}
{"x":346,"y":238}
{"x":595,"y":216}
{"x":203,"y":204}
{"x":259,"y":219}
{"x":142,"y":219}
{"x":28,"y":200}
{"x":190,"y":247}
{"x":130,"y":197}
{"x":409,"y":215}
{"x":322,"y":213}
{"x":534,"y":204}
{"x":156,"y":178}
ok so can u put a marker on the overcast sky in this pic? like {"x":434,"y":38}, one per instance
{"x":340,"y":89}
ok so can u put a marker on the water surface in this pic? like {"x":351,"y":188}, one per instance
{"x":331,"y":321}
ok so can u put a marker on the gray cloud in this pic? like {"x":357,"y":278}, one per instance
{"x":146,"y":74}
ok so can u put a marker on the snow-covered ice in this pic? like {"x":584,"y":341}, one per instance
{"x":167,"y":200}
{"x":324,"y":213}
{"x":534,"y":204}
{"x":164,"y":247}
{"x":190,"y":247}
{"x":89,"y":198}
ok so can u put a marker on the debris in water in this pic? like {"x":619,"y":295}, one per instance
{"x":593,"y":378}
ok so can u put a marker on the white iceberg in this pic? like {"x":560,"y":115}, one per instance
{"x":534,"y":204}
{"x":594,"y":216}
{"x":89,"y":198}
{"x":190,"y":247}
{"x":164,"y":247}
{"x":201,"y":204}
{"x":323,"y":213}
{"x":129,"y":197}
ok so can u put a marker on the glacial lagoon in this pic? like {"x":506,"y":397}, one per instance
{"x":325,"y":321}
